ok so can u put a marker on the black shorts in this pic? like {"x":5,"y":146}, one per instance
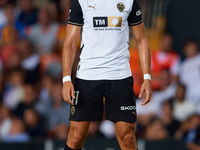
{"x":119,"y":100}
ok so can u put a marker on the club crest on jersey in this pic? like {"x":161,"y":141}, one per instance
{"x":72,"y":110}
{"x":120,"y":7}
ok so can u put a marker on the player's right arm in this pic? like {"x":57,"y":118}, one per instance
{"x":75,"y":23}
{"x":69,"y":52}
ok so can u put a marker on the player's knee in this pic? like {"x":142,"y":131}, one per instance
{"x":127,"y":136}
{"x":128,"y":139}
{"x":76,"y":140}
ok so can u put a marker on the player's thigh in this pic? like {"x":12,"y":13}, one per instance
{"x":125,"y":131}
{"x":88,"y":102}
{"x":120,"y":101}
{"x":78,"y":131}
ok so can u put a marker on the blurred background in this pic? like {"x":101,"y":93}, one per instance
{"x":33,"y":114}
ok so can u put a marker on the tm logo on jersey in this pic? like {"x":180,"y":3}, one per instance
{"x":107,"y":21}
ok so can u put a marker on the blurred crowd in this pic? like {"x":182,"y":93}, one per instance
{"x":31,"y":103}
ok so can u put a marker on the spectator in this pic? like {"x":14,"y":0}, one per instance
{"x":64,"y":7}
{"x":94,"y":130}
{"x":43,"y":33}
{"x":34,"y":124}
{"x":28,"y":15}
{"x":14,"y":91}
{"x":5,"y":121}
{"x":164,"y":58}
{"x":48,"y":87}
{"x":189,"y":72}
{"x":182,"y":108}
{"x":51,"y":6}
{"x":61,"y":132}
{"x":17,"y":133}
{"x":156,"y":30}
{"x":171,"y":124}
{"x":155,"y":130}
{"x":193,"y":136}
{"x":189,"y":131}
{"x":61,"y":35}
{"x":58,"y":113}
{"x":107,"y":128}
{"x":6,"y":29}
{"x":48,"y":60}
{"x":30,"y":61}
{"x":14,"y":61}
{"x":28,"y":101}
{"x":9,"y":50}
{"x":3,"y":4}
{"x":3,"y":18}
{"x":167,"y":91}
{"x":193,"y":139}
{"x":45,"y":95}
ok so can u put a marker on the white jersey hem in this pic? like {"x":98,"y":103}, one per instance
{"x":123,"y":77}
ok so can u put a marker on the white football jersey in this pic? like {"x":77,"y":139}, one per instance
{"x":105,"y":37}
{"x":189,"y":75}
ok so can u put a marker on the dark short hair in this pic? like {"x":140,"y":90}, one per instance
{"x":190,"y":40}
{"x":169,"y":102}
{"x":182,"y":86}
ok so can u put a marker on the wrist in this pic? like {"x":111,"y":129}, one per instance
{"x":66,"y":79}
{"x":147,"y":77}
{"x":147,"y":80}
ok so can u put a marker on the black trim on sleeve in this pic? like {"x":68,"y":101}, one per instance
{"x":76,"y":14}
{"x":135,"y":16}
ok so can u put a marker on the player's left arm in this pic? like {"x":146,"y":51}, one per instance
{"x":136,"y":24}
{"x":145,"y":58}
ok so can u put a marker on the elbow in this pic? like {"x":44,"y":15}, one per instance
{"x":70,"y":45}
{"x":143,"y":42}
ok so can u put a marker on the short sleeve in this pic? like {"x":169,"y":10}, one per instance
{"x":135,"y":16}
{"x":76,"y":14}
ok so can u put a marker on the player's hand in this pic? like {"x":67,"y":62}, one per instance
{"x":68,"y":92}
{"x":146,"y":89}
